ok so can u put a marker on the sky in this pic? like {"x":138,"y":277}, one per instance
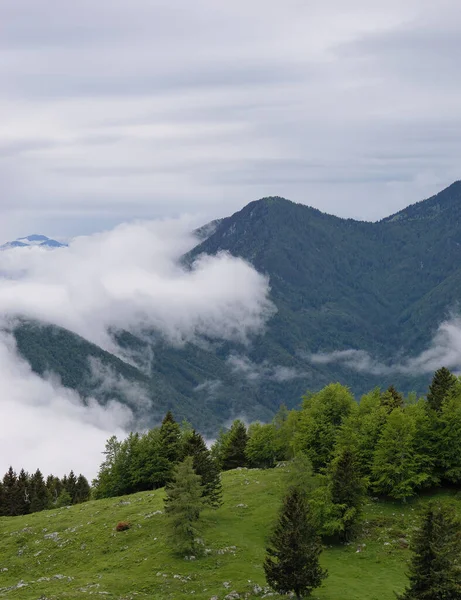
{"x":118,"y":110}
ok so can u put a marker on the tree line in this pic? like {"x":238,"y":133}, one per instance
{"x":28,"y":493}
{"x":386,"y":444}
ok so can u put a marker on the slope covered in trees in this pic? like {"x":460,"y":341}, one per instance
{"x":337,"y":284}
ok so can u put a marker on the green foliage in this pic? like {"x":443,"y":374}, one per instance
{"x":183,"y":505}
{"x":233,"y":451}
{"x":441,"y":385}
{"x":40,"y":498}
{"x":261,"y":448}
{"x":292,"y":561}
{"x":396,"y":467}
{"x":64,"y":499}
{"x":347,"y":492}
{"x":449,"y":439}
{"x":206,"y":467}
{"x":319,"y":423}
{"x":391,"y":399}
{"x":435,"y":567}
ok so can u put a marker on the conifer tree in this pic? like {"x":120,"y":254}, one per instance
{"x":170,"y":438}
{"x":391,"y":399}
{"x":442,"y":383}
{"x":233,"y":453}
{"x":39,"y":495}
{"x":292,"y":561}
{"x":347,"y":489}
{"x":435,"y":567}
{"x":206,"y":467}
{"x":183,"y":504}
{"x":70,"y":484}
{"x":82,"y":490}
{"x":10,"y":490}
{"x":23,"y":493}
{"x":54,"y":487}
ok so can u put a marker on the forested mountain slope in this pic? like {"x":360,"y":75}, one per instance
{"x":337,"y":284}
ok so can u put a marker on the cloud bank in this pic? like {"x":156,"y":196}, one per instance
{"x":444,"y":350}
{"x":129,"y":278}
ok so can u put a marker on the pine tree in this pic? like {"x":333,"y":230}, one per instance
{"x":183,"y":504}
{"x":206,"y":467}
{"x":233,"y":454}
{"x":347,"y":489}
{"x":39,"y":495}
{"x":434,"y":569}
{"x":442,"y":383}
{"x":292,"y":561}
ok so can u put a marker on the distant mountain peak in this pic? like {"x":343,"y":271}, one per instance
{"x":30,"y":241}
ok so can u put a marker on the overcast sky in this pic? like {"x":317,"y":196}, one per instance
{"x":119,"y":109}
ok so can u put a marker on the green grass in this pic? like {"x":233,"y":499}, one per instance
{"x":92,"y":560}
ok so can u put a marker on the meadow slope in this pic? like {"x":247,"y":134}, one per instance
{"x":74,"y":552}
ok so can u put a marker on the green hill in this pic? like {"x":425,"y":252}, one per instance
{"x":74,"y":552}
{"x":338,"y":284}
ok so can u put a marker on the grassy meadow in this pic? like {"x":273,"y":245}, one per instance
{"x":75,"y":552}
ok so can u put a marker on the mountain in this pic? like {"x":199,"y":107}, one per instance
{"x":33,"y":240}
{"x":338,"y":284}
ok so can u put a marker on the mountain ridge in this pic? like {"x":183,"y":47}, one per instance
{"x":338,"y":284}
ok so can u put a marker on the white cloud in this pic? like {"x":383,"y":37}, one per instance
{"x":131,"y":279}
{"x":47,"y":426}
{"x":254,"y":372}
{"x":444,"y":351}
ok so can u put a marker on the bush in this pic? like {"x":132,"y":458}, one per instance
{"x":123,"y":526}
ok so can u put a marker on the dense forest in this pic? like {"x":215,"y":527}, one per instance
{"x":28,"y":493}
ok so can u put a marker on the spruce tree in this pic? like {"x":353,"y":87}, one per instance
{"x":23,"y":493}
{"x":11,"y":493}
{"x":391,"y":399}
{"x":233,"y":454}
{"x":206,"y":467}
{"x":292,"y":561}
{"x":442,"y":383}
{"x":39,"y":495}
{"x":70,"y":484}
{"x":183,"y":504}
{"x":82,"y":490}
{"x":435,"y":567}
{"x":347,"y":489}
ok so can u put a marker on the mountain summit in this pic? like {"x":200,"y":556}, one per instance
{"x":33,"y":240}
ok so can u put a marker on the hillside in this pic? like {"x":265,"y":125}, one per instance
{"x":74,"y":553}
{"x":338,"y":284}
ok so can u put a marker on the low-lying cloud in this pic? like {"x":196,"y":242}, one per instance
{"x":255,"y":372}
{"x":131,"y":279}
{"x":444,"y":350}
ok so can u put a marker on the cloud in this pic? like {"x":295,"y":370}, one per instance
{"x":444,"y":350}
{"x":254,"y":372}
{"x":131,"y":279}
{"x":47,"y":426}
